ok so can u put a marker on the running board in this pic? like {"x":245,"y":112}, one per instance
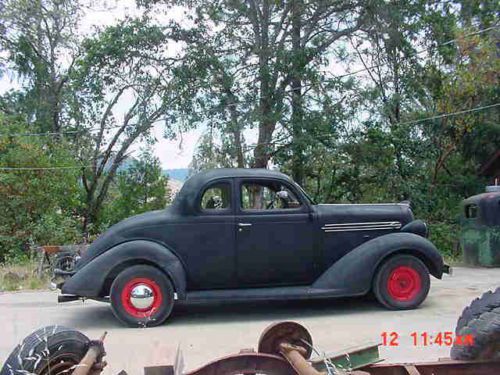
{"x":67,"y":298}
{"x":264,"y":294}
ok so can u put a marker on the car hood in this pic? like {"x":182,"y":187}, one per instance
{"x":133,"y":227}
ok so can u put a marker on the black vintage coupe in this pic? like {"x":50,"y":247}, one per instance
{"x":253,"y":234}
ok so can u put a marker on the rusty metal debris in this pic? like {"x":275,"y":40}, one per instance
{"x":92,"y":363}
{"x":285,"y":348}
{"x":61,"y":257}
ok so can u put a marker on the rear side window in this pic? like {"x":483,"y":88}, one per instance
{"x":216,"y":197}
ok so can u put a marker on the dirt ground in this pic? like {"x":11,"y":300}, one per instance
{"x":205,"y":332}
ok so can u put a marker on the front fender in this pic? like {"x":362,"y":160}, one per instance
{"x":354,"y":272}
{"x":89,"y":280}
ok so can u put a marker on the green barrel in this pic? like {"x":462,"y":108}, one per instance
{"x":480,"y":229}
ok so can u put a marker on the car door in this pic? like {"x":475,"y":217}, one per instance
{"x":208,"y":238}
{"x":274,"y":242}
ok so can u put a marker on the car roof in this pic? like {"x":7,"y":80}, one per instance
{"x":211,"y":174}
{"x":488,"y":207}
{"x":184,"y":199}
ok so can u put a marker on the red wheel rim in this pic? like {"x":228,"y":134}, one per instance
{"x":126,"y":296}
{"x":404,"y":283}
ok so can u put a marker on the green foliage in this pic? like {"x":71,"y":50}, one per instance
{"x":445,"y":237}
{"x":139,"y":188}
{"x":38,"y":40}
{"x":38,"y":206}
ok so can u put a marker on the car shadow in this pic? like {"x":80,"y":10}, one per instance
{"x":189,"y":313}
{"x":99,"y":315}
{"x":89,"y":315}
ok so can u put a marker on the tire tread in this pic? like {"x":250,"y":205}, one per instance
{"x":485,"y":330}
{"x":487,"y":302}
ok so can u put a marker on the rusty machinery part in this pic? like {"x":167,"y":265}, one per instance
{"x":441,"y":367}
{"x":285,"y":333}
{"x":295,"y":356}
{"x":92,"y":363}
{"x":246,"y":364}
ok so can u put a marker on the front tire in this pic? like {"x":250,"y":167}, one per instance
{"x":402,"y":282}
{"x":142,"y":296}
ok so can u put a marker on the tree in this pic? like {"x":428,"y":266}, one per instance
{"x":41,"y":45}
{"x":252,"y":60}
{"x":140,"y":187}
{"x":472,"y":83}
{"x":124,"y":86}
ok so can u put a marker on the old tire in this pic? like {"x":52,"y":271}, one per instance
{"x":487,"y":302}
{"x":65,"y":261}
{"x":402,"y":282}
{"x":485,"y":331}
{"x":50,"y":350}
{"x":142,"y":296}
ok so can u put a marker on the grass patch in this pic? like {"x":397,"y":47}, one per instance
{"x":21,"y":277}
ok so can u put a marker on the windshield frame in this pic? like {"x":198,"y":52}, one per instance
{"x":307,"y":196}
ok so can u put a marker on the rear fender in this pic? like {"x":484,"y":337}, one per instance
{"x":90,"y":281}
{"x":354,"y":272}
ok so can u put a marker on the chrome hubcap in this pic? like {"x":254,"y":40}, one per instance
{"x":142,"y":296}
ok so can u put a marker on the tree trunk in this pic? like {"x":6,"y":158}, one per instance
{"x":267,"y":124}
{"x":297,"y":102}
{"x":236,"y":131}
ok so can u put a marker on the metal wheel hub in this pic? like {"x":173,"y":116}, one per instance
{"x":142,"y":297}
{"x":404,"y":283}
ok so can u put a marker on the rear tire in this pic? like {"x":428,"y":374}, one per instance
{"x":142,"y":296}
{"x":402,"y":282}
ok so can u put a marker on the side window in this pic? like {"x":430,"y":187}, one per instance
{"x":471,"y":211}
{"x":216,"y":197}
{"x":267,"y":196}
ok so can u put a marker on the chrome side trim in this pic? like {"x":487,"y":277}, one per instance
{"x":357,"y":229}
{"x":369,"y":223}
{"x":377,"y":225}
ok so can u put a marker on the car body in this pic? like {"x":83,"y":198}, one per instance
{"x":254,"y":234}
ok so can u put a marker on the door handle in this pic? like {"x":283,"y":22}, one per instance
{"x":241,"y":225}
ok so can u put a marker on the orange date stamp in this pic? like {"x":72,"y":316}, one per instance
{"x":428,"y":339}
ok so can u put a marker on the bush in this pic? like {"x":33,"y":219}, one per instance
{"x":446,"y":238}
{"x":37,"y":205}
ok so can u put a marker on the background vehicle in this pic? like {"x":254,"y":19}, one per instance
{"x":253,"y":234}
